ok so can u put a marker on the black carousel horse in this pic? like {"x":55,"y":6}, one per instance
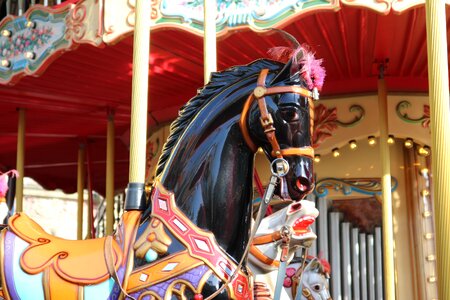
{"x":197,"y":228}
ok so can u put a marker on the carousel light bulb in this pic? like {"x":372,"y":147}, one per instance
{"x":317,"y":158}
{"x":30,"y":55}
{"x":336,"y":152}
{"x":391,"y":140}
{"x":6,"y":33}
{"x":6,"y":63}
{"x":352,"y":144}
{"x":260,"y":150}
{"x":409,"y":143}
{"x":424,"y":172}
{"x":431,"y":257}
{"x":424,"y":151}
{"x":30,"y":24}
{"x":371,"y":140}
{"x":425,"y":193}
{"x":426,"y":214}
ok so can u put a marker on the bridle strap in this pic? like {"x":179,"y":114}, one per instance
{"x":267,"y":238}
{"x":259,"y":255}
{"x":262,"y":240}
{"x":266,"y":118}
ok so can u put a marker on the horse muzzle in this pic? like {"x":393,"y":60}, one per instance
{"x":299,"y":181}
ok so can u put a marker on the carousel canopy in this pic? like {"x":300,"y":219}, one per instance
{"x":69,"y":88}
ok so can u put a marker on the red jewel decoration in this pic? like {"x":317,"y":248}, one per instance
{"x":198,"y":297}
{"x":287,"y":282}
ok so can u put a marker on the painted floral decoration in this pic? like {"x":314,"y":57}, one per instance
{"x":325,"y":122}
{"x":28,"y":40}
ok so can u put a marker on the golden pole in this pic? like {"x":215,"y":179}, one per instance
{"x":138,"y":133}
{"x":81,"y":171}
{"x":110,"y":174}
{"x":20,"y":163}
{"x":440,"y":137}
{"x":388,"y":235}
{"x":209,"y":39}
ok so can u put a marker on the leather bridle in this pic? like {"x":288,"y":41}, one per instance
{"x":266,"y":119}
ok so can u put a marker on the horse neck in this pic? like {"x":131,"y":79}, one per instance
{"x":210,"y":174}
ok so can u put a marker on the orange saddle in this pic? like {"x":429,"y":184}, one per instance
{"x":80,"y":262}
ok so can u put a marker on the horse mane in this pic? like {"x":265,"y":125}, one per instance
{"x":219,"y":81}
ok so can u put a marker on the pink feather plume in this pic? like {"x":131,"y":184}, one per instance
{"x":281,"y":54}
{"x":311,"y":69}
{"x":325,"y":264}
{"x":4,"y":181}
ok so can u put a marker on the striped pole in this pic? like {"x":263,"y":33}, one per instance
{"x":440,"y":136}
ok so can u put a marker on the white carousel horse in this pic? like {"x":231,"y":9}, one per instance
{"x":264,"y":256}
{"x":314,"y":279}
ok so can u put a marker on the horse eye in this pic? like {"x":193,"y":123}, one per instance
{"x":290,"y":115}
{"x":317,"y":287}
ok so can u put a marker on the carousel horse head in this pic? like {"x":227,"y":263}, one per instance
{"x":296,"y":217}
{"x":280,"y":121}
{"x":314,"y":279}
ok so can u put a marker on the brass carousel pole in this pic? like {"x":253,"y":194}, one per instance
{"x":135,"y":198}
{"x":440,"y":136}
{"x":209,"y":39}
{"x":110,"y":138}
{"x":20,"y":163}
{"x":80,"y":188}
{"x":388,"y":235}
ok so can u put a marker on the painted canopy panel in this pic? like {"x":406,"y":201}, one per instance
{"x":234,"y":15}
{"x":31,"y":42}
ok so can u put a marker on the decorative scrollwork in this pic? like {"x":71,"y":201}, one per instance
{"x":359,"y":112}
{"x":403,"y":115}
{"x":76,"y":29}
{"x":155,"y":9}
{"x":325,"y":121}
{"x":365,"y":186}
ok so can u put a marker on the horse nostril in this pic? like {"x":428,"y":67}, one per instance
{"x":295,"y":207}
{"x":303,"y":184}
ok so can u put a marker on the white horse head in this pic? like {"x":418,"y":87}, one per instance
{"x":296,"y":217}
{"x":314,"y":279}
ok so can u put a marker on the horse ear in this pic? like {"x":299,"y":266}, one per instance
{"x":291,"y":69}
{"x":284,"y":74}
